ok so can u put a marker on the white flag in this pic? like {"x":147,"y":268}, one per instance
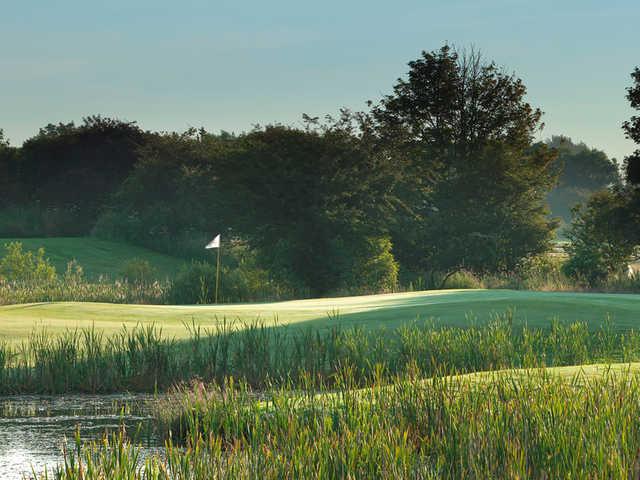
{"x":215,"y":243}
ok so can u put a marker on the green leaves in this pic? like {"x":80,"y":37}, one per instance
{"x":19,"y":266}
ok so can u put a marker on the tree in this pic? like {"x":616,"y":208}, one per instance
{"x":169,"y":202}
{"x":75,"y":168}
{"x":606,"y":232}
{"x":632,"y":130}
{"x":309,"y":201}
{"x":601,"y":240}
{"x":8,"y":181}
{"x":469,"y":132}
{"x":582,"y":171}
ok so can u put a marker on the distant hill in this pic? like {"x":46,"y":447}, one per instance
{"x":97,"y":257}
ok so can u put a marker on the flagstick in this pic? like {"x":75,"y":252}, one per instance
{"x":218,"y":273}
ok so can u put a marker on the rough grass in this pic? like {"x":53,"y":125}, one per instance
{"x":446,"y":307}
{"x":516,"y":425}
{"x":142,"y":359}
{"x":97,"y":257}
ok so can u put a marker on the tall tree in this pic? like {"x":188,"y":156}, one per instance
{"x":312,"y":203}
{"x":606,"y":231}
{"x":8,"y":181}
{"x":169,"y":202}
{"x":632,"y":130}
{"x":632,"y":162}
{"x":75,"y":168}
{"x":467,"y":127}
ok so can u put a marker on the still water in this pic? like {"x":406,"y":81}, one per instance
{"x":34,"y":429}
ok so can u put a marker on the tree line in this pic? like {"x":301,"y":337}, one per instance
{"x":442,"y":174}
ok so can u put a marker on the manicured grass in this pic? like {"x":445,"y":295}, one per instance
{"x":97,"y":257}
{"x":446,"y":307}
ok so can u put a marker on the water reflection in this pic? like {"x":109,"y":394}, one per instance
{"x":33,"y":428}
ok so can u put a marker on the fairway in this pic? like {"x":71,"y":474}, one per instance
{"x":97,"y":257}
{"x":445,"y":307}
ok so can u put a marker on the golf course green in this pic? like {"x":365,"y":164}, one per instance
{"x":445,"y":307}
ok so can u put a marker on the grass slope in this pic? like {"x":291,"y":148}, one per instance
{"x":97,"y":257}
{"x":446,"y":307}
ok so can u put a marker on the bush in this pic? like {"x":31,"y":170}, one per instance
{"x":138,"y":272}
{"x":20,"y":266}
{"x":367,"y":265}
{"x":239,"y":282}
{"x":194,"y":284}
{"x":600,"y":244}
{"x":463,"y":280}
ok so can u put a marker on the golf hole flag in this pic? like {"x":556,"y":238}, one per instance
{"x":215,"y":243}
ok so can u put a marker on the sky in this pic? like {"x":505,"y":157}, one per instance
{"x":229,"y":65}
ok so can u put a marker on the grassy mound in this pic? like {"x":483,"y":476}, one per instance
{"x":97,"y":257}
{"x":446,"y":307}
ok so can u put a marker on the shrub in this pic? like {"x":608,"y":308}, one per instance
{"x":239,"y":282}
{"x":21,"y":266}
{"x":195,"y":283}
{"x":463,"y":280}
{"x":138,"y":272}
{"x":599,"y":245}
{"x":367,"y":265}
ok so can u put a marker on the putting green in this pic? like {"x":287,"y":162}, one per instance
{"x":446,"y":307}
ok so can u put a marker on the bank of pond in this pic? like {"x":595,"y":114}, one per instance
{"x":491,"y":400}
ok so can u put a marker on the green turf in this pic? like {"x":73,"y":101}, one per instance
{"x":447,"y":307}
{"x":576,"y":374}
{"x":97,"y":257}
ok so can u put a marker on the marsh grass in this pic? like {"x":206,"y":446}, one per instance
{"x":68,"y":290}
{"x":142,"y":359}
{"x":528,"y":425}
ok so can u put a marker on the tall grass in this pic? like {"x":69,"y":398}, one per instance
{"x":528,"y":425}
{"x":143,"y":359}
{"x":62,"y":290}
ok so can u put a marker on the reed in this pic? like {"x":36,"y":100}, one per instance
{"x":531,"y":424}
{"x":142,"y":359}
{"x":64,"y":290}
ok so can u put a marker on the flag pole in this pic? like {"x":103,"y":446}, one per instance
{"x":215,"y":243}
{"x":218,"y":273}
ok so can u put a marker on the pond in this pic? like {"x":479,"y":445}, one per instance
{"x":34,"y":429}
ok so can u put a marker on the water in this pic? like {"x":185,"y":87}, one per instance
{"x":33,"y":429}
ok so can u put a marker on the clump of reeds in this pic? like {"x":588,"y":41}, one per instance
{"x":71,"y":290}
{"x":143,"y":359}
{"x":528,"y":424}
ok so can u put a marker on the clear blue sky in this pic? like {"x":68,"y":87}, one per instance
{"x":231,"y":64}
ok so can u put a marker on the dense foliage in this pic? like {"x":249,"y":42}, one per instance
{"x":632,"y":130}
{"x":468,"y":132}
{"x":60,"y":179}
{"x":442,"y":175}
